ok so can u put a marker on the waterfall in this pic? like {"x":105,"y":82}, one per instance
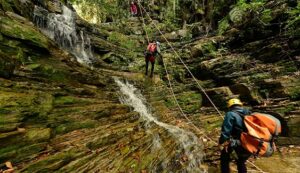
{"x":187,"y":140}
{"x":62,"y":29}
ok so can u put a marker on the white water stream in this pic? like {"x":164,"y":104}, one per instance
{"x":62,"y":29}
{"x":187,"y":140}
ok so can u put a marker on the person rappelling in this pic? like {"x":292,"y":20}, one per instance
{"x":150,"y":55}
{"x":231,"y":131}
{"x":247,"y":134}
{"x":133,"y":9}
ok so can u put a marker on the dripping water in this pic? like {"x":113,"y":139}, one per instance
{"x":187,"y":140}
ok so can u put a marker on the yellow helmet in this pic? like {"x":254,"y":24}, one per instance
{"x":232,"y":102}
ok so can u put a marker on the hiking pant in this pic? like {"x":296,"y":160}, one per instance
{"x":242,"y":155}
{"x":147,"y":59}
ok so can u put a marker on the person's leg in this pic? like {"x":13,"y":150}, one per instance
{"x":152,"y":68}
{"x":241,"y":165}
{"x":225,"y":160}
{"x":147,"y":63}
{"x":243,"y":156}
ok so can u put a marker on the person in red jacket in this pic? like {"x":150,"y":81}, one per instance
{"x":152,"y":50}
{"x":133,"y":9}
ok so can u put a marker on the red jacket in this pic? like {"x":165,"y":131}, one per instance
{"x":133,"y":8}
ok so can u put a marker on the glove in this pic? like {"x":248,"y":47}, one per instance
{"x":224,"y":146}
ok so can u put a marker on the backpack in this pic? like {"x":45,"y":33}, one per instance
{"x":262,"y":130}
{"x":151,"y":48}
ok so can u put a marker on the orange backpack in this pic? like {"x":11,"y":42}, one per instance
{"x":262,"y":129}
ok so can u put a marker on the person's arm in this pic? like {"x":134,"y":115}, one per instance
{"x":226,"y":128}
{"x":158,"y":51}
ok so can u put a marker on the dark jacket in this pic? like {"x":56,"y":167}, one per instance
{"x":233,"y":124}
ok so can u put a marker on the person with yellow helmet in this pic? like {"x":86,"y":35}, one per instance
{"x":232,"y":128}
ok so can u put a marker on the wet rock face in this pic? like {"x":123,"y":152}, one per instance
{"x":219,"y":96}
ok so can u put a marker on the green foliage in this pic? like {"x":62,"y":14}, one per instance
{"x":150,"y":31}
{"x":223,"y":26}
{"x":294,"y":21}
{"x":237,"y":14}
{"x":97,"y":11}
{"x":123,"y":40}
{"x":266,"y":16}
{"x":209,"y":49}
{"x":295,"y":93}
{"x":260,"y":76}
{"x":286,"y":109}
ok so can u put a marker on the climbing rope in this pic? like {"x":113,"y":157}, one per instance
{"x":144,"y":25}
{"x":170,"y":84}
{"x":187,"y":68}
{"x":194,"y":78}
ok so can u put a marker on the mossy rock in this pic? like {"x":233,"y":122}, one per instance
{"x":246,"y":93}
{"x":9,"y":121}
{"x":293,"y":125}
{"x":61,"y":101}
{"x":71,"y":126}
{"x":7,"y":65}
{"x":23,"y":31}
{"x":7,"y":6}
{"x":38,"y":134}
{"x":219,"y":96}
{"x":20,"y":152}
{"x":204,"y":49}
{"x":52,"y":163}
{"x":190,"y":101}
{"x":28,"y":107}
{"x":49,"y":71}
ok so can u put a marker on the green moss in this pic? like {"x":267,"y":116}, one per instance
{"x":65,"y":128}
{"x":64,"y":100}
{"x":294,"y":21}
{"x":49,"y":71}
{"x":69,"y":100}
{"x":51,"y":163}
{"x":211,"y":125}
{"x":19,"y":152}
{"x":189,"y":101}
{"x":286,"y":109}
{"x":29,"y":152}
{"x":295,"y":93}
{"x":16,"y":29}
{"x":8,"y":152}
{"x":32,"y":66}
{"x":209,"y":48}
{"x":38,"y":134}
{"x":260,"y":76}
{"x":28,"y":107}
{"x":266,"y":16}
{"x":123,"y":40}
{"x":5,"y":5}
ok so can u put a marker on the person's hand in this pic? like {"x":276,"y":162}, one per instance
{"x":224,"y":146}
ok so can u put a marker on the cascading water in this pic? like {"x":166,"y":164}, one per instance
{"x":62,"y":29}
{"x":187,"y":140}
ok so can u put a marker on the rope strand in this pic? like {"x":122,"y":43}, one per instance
{"x":177,"y":55}
{"x":201,"y":88}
